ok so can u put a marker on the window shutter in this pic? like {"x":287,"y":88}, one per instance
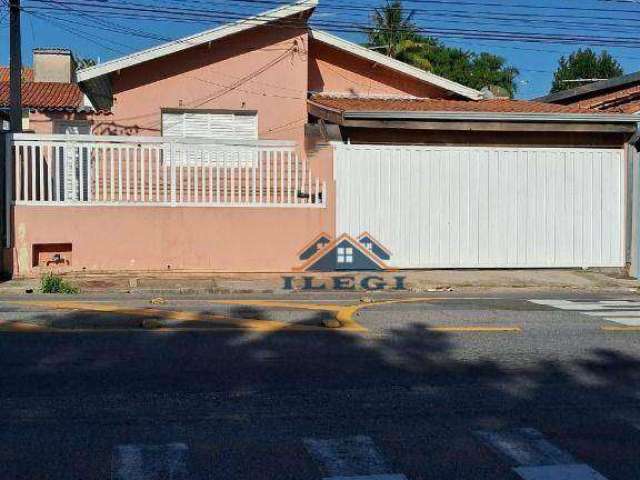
{"x":172,"y":124}
{"x":217,"y":126}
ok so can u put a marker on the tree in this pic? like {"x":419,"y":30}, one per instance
{"x":84,"y":63}
{"x":475,"y":70}
{"x":394,"y":34}
{"x":584,"y":64}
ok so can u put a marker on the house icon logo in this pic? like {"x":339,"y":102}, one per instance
{"x":373,"y":246}
{"x":324,"y":254}
{"x":314,"y":246}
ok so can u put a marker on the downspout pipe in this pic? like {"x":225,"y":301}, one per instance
{"x":635,"y":138}
{"x":633,"y":215}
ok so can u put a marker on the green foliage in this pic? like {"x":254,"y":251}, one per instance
{"x":394,"y":34}
{"x":475,"y":70}
{"x":84,"y":63}
{"x":52,"y":283}
{"x":584,"y":64}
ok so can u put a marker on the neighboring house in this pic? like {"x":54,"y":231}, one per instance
{"x":278,"y":132}
{"x":620,"y":94}
{"x":27,"y":74}
{"x":51,"y":99}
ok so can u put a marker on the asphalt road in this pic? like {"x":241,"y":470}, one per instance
{"x":445,"y":387}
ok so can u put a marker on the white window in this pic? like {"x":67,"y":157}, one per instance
{"x":345,"y":255}
{"x":214,"y":124}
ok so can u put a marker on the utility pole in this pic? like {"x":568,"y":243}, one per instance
{"x":15,"y":66}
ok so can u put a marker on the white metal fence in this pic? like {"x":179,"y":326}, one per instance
{"x":146,"y":171}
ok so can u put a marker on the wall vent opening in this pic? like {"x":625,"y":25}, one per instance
{"x":52,"y":255}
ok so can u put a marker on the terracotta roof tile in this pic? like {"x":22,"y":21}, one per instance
{"x":45,"y":95}
{"x":27,"y":74}
{"x":629,"y":108}
{"x":442,"y":105}
{"x":621,"y":101}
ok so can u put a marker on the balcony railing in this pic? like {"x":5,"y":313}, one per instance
{"x":92,"y":170}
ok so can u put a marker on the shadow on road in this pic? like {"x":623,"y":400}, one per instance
{"x":328,"y":381}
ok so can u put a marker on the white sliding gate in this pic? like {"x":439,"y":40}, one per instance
{"x":455,"y":207}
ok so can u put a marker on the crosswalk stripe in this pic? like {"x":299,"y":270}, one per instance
{"x":149,"y":462}
{"x":623,"y":312}
{"x":618,"y":302}
{"x":525,"y":447}
{"x":573,"y":305}
{"x":629,"y":322}
{"x":387,"y":476}
{"x":625,"y":317}
{"x":559,"y":472}
{"x":352,"y":458}
{"x":535,"y":457}
{"x":615,"y":313}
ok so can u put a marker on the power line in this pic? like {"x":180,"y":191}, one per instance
{"x":76,"y":32}
{"x":480,"y":19}
{"x":191,"y":14}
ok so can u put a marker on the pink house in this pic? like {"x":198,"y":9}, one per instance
{"x":231,"y":149}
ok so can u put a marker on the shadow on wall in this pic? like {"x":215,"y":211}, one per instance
{"x":112,"y":128}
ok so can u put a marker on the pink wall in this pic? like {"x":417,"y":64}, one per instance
{"x":264,"y":70}
{"x":151,"y":238}
{"x":186,"y":238}
{"x":333,"y":70}
{"x":267,"y":69}
{"x":43,"y":122}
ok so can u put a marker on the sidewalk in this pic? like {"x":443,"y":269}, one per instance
{"x":415,"y":281}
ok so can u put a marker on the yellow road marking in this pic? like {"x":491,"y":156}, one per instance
{"x":407,"y":300}
{"x":620,"y":329}
{"x":327,"y":307}
{"x":222,"y":322}
{"x":470,"y":329}
{"x":343,"y":313}
{"x":17,"y":326}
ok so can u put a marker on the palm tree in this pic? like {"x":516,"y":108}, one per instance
{"x":394,"y":34}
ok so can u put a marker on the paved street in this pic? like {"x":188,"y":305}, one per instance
{"x":449,"y":386}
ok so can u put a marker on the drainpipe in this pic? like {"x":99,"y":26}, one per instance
{"x":5,"y":194}
{"x":633,"y":212}
{"x":635,"y":138}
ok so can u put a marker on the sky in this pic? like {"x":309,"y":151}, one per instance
{"x":530,"y":34}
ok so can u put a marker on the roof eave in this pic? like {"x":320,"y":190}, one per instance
{"x":493,"y":116}
{"x":195,"y":40}
{"x":591,"y":88}
{"x":41,"y":108}
{"x":396,"y":65}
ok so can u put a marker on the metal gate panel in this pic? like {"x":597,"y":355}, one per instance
{"x":454,"y":207}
